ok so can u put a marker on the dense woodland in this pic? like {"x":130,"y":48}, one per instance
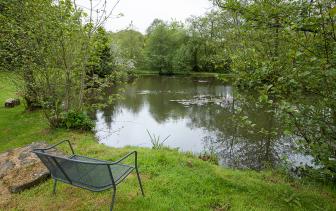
{"x":283,"y":49}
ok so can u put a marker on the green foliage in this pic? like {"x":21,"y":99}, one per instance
{"x":163,"y":44}
{"x":60,"y":63}
{"x":101,"y":61}
{"x":44,"y":50}
{"x":76,"y":120}
{"x":286,"y":51}
{"x":131,"y":46}
{"x":207,"y":43}
{"x":182,"y":59}
{"x":172,"y":47}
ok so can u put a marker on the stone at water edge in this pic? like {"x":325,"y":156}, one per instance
{"x":21,"y":169}
{"x":11,"y":102}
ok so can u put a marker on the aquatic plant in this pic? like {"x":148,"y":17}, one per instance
{"x":157,"y":142}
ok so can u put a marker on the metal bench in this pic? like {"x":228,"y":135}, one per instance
{"x":88,"y":173}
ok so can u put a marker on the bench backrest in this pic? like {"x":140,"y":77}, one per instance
{"x":90,"y":175}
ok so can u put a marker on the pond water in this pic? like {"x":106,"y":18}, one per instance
{"x":198,"y":115}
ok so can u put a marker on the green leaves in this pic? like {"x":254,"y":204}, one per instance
{"x":263,"y":98}
{"x":76,"y":120}
{"x":286,"y":51}
{"x":130,"y":46}
{"x":332,"y":11}
{"x":165,"y":46}
{"x":102,"y":61}
{"x":331,"y":72}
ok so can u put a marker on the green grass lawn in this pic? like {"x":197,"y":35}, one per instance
{"x":172,"y":180}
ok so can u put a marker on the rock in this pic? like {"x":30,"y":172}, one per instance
{"x":7,"y":164}
{"x":20,"y":168}
{"x":4,"y":194}
{"x":11,"y":102}
{"x":204,"y":157}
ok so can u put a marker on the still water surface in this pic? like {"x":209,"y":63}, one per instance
{"x":197,"y":113}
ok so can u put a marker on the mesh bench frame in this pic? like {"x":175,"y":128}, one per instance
{"x":87,"y":173}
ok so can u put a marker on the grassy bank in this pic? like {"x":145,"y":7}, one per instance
{"x":172,"y":181}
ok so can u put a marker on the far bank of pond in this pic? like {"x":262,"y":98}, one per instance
{"x":192,"y":74}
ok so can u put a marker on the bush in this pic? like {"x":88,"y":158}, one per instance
{"x":76,"y":120}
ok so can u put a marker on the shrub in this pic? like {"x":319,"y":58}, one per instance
{"x":76,"y":120}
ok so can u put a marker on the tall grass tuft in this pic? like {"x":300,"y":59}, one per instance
{"x":156,"y":141}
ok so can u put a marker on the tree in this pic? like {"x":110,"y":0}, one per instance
{"x":163,"y":41}
{"x":131,"y":44}
{"x":286,"y":50}
{"x":48,"y":46}
{"x":207,"y":43}
{"x":101,"y":61}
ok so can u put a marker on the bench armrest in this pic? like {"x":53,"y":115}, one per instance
{"x":55,"y":145}
{"x":126,"y":156}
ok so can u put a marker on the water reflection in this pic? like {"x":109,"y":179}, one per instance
{"x":198,"y":113}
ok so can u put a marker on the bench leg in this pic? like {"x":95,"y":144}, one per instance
{"x":54,"y":189}
{"x":113,"y":198}
{"x":139,"y":180}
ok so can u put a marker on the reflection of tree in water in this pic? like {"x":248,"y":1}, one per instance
{"x":237,"y":145}
{"x":108,"y":113}
{"x":243,"y":153}
{"x":157,"y":93}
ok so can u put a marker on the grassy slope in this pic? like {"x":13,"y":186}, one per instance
{"x":172,"y":181}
